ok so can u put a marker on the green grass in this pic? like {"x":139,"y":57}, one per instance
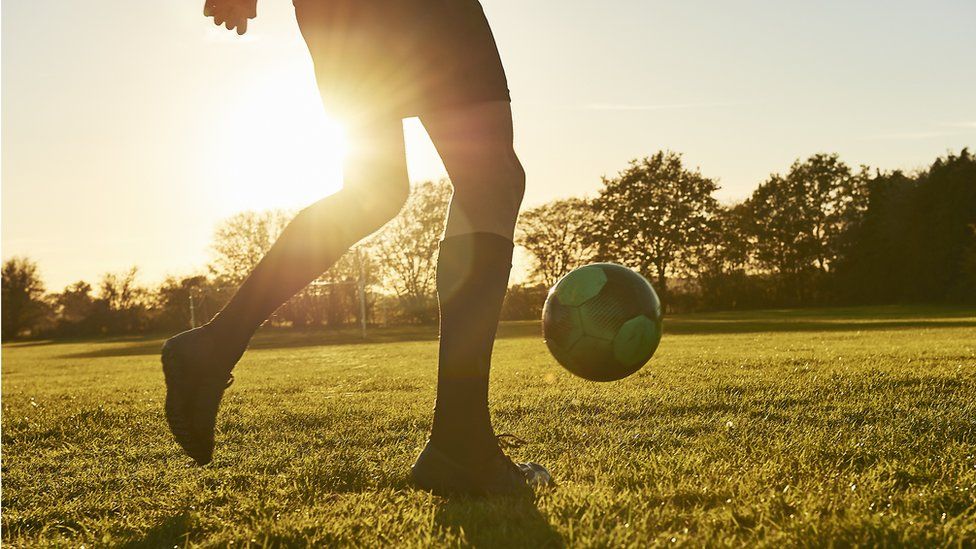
{"x":844,"y":426}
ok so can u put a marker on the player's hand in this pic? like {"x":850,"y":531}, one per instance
{"x":233,"y":14}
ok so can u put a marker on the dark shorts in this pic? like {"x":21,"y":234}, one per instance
{"x":382,"y":58}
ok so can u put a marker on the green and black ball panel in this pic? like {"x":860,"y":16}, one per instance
{"x":602,"y":321}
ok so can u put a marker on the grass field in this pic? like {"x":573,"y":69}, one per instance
{"x":854,"y":426}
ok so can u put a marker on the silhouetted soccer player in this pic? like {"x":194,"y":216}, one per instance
{"x":377,"y":62}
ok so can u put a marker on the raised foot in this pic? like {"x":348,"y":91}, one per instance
{"x":195,"y":384}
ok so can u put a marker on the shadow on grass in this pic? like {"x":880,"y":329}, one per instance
{"x":497,"y":522}
{"x":169,"y":532}
{"x":768,"y":321}
{"x":679,"y":326}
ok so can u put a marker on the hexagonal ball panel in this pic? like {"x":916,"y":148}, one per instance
{"x":636,"y":342}
{"x":592,"y":358}
{"x":580,"y":285}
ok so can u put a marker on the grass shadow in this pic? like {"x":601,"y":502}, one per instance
{"x":736,"y":322}
{"x":680,"y":326}
{"x":284,"y":338}
{"x":497,"y":522}
{"x":169,"y":532}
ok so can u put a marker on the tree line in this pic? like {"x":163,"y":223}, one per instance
{"x":823,"y":233}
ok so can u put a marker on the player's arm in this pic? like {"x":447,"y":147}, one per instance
{"x":233,"y":14}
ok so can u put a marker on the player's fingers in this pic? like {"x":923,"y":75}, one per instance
{"x":219,"y":18}
{"x":242,"y":27}
{"x":208,"y":8}
{"x":236,"y":21}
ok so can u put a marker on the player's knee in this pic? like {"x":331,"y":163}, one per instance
{"x":508,"y":183}
{"x":515,"y":179}
{"x":375,"y":206}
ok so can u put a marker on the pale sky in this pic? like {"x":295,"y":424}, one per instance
{"x":130,"y":128}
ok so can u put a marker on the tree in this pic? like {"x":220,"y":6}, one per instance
{"x":916,"y":240}
{"x":942,"y":214}
{"x":799,"y":218}
{"x":75,"y":307}
{"x":75,"y":303}
{"x":556,"y":234}
{"x":655,"y":216}
{"x":22,"y":293}
{"x":242,"y":240}
{"x":121,"y":305}
{"x":406,"y":249}
{"x":172,"y":302}
{"x":723,"y":269}
{"x":799,"y":221}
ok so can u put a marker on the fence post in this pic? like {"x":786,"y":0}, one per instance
{"x":193,"y":313}
{"x":362,"y":294}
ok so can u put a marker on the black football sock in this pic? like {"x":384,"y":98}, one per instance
{"x":311,"y":243}
{"x":472,"y":277}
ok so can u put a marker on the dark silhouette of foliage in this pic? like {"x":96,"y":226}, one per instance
{"x":655,"y":216}
{"x":916,"y":240}
{"x":820,"y":234}
{"x":797,"y":222}
{"x":557,"y":236}
{"x":23,"y":305}
{"x":524,"y":301}
{"x":725,"y":262}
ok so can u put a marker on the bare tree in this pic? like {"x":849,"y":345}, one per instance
{"x":242,"y":240}
{"x":556,"y":234}
{"x":119,"y":290}
{"x":406,"y":249}
{"x":121,"y":304}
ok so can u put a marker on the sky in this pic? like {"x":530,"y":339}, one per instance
{"x":130,"y":129}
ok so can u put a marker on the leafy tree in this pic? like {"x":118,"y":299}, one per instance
{"x":406,"y":249}
{"x":655,"y":216}
{"x":173,"y":299}
{"x":916,"y":240}
{"x":524,"y":302}
{"x":799,"y":222}
{"x":798,"y":219}
{"x":75,"y":303}
{"x":75,"y":308}
{"x":872,"y":269}
{"x":22,"y":302}
{"x":943,"y":212}
{"x":723,"y":270}
{"x":556,"y":234}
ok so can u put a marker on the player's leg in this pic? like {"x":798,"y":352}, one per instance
{"x":375,"y":188}
{"x":197,"y":363}
{"x":475,"y":143}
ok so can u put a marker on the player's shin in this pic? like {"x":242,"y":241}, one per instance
{"x":472,"y":277}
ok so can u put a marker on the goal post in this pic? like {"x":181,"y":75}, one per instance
{"x":198,"y":309}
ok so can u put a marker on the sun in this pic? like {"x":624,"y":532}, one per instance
{"x":274,"y":146}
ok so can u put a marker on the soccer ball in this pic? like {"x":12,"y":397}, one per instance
{"x":602,"y":321}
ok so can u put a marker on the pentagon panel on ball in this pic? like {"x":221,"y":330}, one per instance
{"x":602,"y":321}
